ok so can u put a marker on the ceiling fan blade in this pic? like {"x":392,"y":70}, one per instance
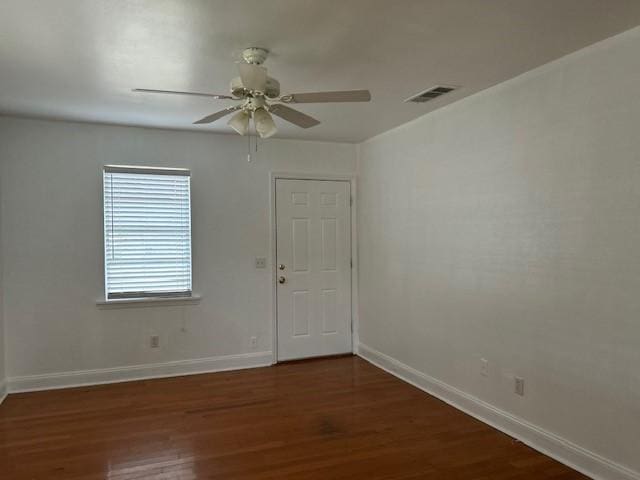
{"x":327,"y":97}
{"x":175,"y":92}
{"x":254,"y":77}
{"x":215,"y":116}
{"x":294,"y":116}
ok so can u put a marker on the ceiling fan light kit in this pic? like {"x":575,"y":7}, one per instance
{"x":240,"y":122}
{"x":265,"y":126}
{"x":254,"y":88}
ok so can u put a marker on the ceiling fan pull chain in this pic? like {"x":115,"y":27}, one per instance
{"x":248,"y":146}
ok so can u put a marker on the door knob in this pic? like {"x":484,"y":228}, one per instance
{"x":281,"y":266}
{"x":281,"y":279}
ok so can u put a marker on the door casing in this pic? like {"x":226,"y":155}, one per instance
{"x":354,"y":250}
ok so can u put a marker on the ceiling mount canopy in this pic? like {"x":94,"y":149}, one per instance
{"x":255,"y":55}
{"x":259,"y":97}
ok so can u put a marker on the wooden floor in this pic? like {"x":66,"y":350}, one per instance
{"x":325,"y":419}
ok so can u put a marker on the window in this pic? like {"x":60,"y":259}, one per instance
{"x":147,"y":232}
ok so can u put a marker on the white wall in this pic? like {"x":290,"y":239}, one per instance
{"x":51,"y":176}
{"x":506,"y":226}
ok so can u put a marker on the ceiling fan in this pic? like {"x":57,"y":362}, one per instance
{"x":256,"y":93}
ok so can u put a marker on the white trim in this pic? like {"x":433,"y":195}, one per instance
{"x":564,"y":451}
{"x":51,"y":381}
{"x":4,"y":391}
{"x":147,"y":302}
{"x":347,"y":177}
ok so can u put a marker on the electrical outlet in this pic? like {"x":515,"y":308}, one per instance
{"x":519,"y":386}
{"x":154,"y":341}
{"x":261,"y":262}
{"x":254,"y":342}
{"x":484,"y":367}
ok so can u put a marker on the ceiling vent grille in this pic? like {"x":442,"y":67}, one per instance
{"x":430,"y":94}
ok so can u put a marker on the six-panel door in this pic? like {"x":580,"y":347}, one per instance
{"x":313,"y":235}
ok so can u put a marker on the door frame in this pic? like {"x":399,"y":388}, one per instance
{"x":347,"y":177}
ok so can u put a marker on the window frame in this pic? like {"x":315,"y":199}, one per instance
{"x":136,"y":296}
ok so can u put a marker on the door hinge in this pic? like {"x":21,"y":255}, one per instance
{"x":351,"y":263}
{"x":350,"y":200}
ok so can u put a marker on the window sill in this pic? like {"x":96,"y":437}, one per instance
{"x":148,"y":302}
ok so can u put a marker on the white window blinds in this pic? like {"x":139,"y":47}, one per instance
{"x":147,"y":232}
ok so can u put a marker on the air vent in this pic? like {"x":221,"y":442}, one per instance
{"x":430,"y":94}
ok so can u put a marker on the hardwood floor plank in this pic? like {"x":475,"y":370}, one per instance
{"x":337,"y":418}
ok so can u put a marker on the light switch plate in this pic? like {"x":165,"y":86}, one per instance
{"x":261,"y":262}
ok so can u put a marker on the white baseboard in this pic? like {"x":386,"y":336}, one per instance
{"x":80,"y":378}
{"x":572,"y":455}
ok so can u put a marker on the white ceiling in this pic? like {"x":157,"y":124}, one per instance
{"x":79,"y":59}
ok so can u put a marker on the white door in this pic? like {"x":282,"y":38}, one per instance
{"x":313,"y":268}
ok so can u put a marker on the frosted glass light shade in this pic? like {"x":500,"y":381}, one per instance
{"x":265,"y":126}
{"x":240,"y":122}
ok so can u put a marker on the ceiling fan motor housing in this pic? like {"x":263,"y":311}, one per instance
{"x":272,"y":89}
